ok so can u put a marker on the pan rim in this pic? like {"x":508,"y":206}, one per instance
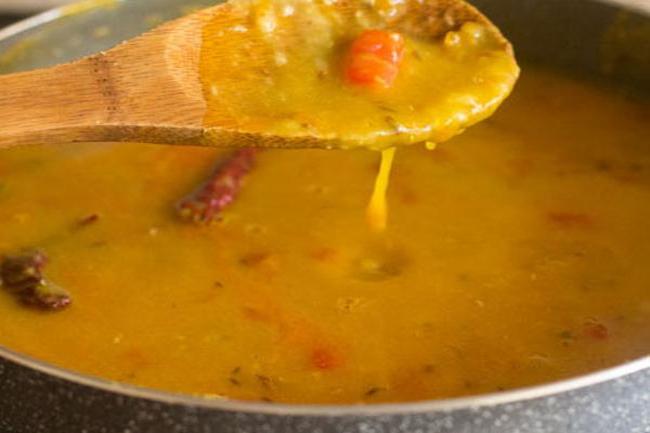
{"x":330,"y":410}
{"x":311,"y":410}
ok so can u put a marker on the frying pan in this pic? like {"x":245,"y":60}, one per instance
{"x":603,"y":40}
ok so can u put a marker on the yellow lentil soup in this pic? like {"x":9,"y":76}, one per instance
{"x":516,"y":254}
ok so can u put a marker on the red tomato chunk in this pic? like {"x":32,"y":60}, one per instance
{"x":374,"y":58}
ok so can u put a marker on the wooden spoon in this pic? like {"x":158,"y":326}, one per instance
{"x":149,"y":89}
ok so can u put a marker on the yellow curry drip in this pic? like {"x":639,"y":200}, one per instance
{"x":377,"y":213}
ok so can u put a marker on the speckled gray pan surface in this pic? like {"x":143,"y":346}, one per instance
{"x":574,"y":35}
{"x":32,"y":402}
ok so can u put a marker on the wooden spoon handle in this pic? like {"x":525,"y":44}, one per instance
{"x":63,"y":103}
{"x":94,"y":100}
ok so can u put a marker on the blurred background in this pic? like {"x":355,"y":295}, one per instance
{"x":12,"y":10}
{"x":23,"y":7}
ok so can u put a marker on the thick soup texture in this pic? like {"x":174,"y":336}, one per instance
{"x":285,"y":68}
{"x":516,"y":254}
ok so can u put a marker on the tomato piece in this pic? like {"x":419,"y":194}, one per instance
{"x":596,"y":330}
{"x":325,"y":358}
{"x":386,"y":45}
{"x":571,"y":219}
{"x":374,"y":58}
{"x":371,"y":70}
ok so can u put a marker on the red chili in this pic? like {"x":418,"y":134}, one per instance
{"x":205,"y":204}
{"x":22,"y":275}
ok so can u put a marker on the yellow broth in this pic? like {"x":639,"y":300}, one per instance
{"x":516,"y":254}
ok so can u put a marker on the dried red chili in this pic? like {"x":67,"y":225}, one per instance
{"x":225,"y":183}
{"x":22,"y":275}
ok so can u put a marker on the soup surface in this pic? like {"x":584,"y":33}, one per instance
{"x":516,"y":254}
